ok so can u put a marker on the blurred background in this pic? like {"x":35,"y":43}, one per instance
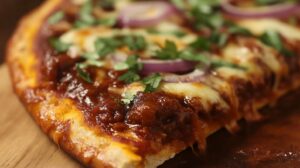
{"x":10,"y":13}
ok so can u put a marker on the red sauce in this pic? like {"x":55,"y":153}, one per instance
{"x":153,"y":117}
{"x":272,"y":144}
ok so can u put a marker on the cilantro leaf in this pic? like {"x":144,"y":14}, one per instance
{"x":189,"y":55}
{"x":201,"y":43}
{"x":128,"y":97}
{"x":58,"y":45}
{"x":131,"y":63}
{"x":107,"y":4}
{"x":273,"y":39}
{"x":105,"y":46}
{"x":237,"y":30}
{"x":129,"y":77}
{"x":152,"y":82}
{"x":121,"y":66}
{"x":133,"y":67}
{"x":82,"y":73}
{"x":169,"y":51}
{"x":107,"y":21}
{"x":86,"y":17}
{"x":135,"y":42}
{"x":56,"y":17}
{"x":221,"y":63}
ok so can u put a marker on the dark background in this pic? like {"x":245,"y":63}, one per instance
{"x":10,"y":13}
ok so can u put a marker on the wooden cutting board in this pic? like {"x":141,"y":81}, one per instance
{"x":22,"y":143}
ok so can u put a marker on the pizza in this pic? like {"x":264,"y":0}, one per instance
{"x":124,"y":83}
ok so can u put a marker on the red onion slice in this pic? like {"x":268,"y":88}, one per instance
{"x":195,"y":76}
{"x":277,"y":11}
{"x":143,"y":14}
{"x":167,"y":66}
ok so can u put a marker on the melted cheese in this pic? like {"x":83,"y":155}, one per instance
{"x":258,"y":27}
{"x":207,"y":95}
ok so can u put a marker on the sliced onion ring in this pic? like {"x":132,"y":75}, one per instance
{"x":277,"y":11}
{"x":143,"y":14}
{"x":195,"y":76}
{"x":166,"y":66}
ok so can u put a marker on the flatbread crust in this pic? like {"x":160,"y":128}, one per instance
{"x":58,"y":117}
{"x":61,"y":120}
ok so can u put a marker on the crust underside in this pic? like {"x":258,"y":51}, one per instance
{"x":61,"y":119}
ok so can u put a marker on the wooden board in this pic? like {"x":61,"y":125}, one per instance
{"x":22,"y":143}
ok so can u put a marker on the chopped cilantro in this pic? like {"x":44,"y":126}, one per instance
{"x":178,"y":33}
{"x":131,"y":63}
{"x":128,"y":97}
{"x":237,"y":30}
{"x":271,"y":2}
{"x":56,"y":17}
{"x":107,"y":21}
{"x":121,"y":66}
{"x":135,"y":42}
{"x":86,"y":17}
{"x":152,"y":82}
{"x":201,"y":43}
{"x":105,"y":46}
{"x":169,"y":51}
{"x":58,"y":45}
{"x":205,"y":43}
{"x":91,"y":56}
{"x":95,"y":63}
{"x":221,"y":63}
{"x":192,"y":56}
{"x":130,"y":77}
{"x":133,"y":67}
{"x":206,"y":17}
{"x":273,"y":39}
{"x":107,"y":4}
{"x":82,"y":73}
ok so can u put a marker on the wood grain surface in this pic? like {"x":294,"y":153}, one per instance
{"x":22,"y":143}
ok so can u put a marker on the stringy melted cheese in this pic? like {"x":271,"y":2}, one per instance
{"x":83,"y":40}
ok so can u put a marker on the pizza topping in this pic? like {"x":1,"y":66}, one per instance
{"x":273,"y":39}
{"x":56,"y":17}
{"x":278,"y":10}
{"x":167,"y":81}
{"x":59,"y":46}
{"x":86,"y":17}
{"x":167,"y":66}
{"x":152,"y":82}
{"x":143,"y":14}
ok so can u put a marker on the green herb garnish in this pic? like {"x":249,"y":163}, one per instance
{"x":105,"y":46}
{"x":221,"y":63}
{"x":273,"y":39}
{"x":271,"y":2}
{"x":128,"y":97}
{"x":133,"y":67}
{"x":135,"y":42}
{"x":130,"y":77}
{"x":189,"y":55}
{"x":152,"y":82}
{"x":107,"y":21}
{"x":80,"y":68}
{"x":58,"y":45}
{"x":169,"y":51}
{"x":86,"y":17}
{"x":56,"y":17}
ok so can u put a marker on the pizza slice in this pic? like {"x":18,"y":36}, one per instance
{"x":132,"y":83}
